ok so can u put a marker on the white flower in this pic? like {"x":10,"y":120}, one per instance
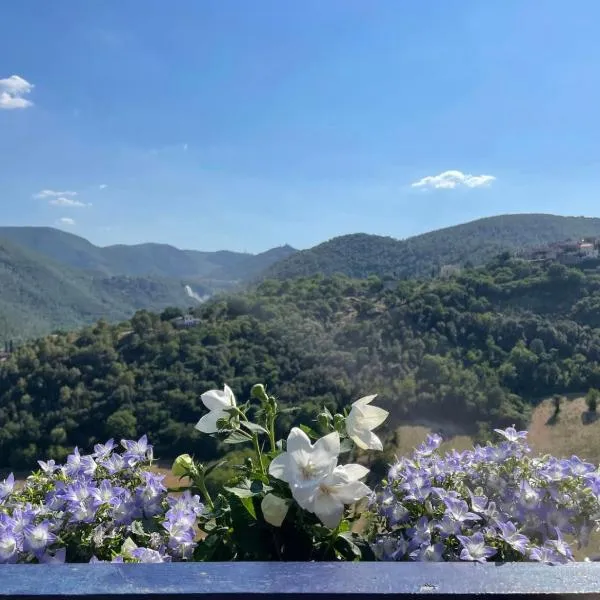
{"x":305,"y":464}
{"x":217,"y":402}
{"x":362,"y":419}
{"x":317,"y":483}
{"x":274,"y":509}
{"x":327,"y":499}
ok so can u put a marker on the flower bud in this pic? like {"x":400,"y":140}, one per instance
{"x":323,"y":420}
{"x":183,"y":465}
{"x":249,"y":463}
{"x":258,"y":391}
{"x":339,"y":422}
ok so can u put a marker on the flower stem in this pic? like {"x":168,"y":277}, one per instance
{"x":258,"y":453}
{"x":199,"y":481}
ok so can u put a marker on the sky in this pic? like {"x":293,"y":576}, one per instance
{"x":228,"y":124}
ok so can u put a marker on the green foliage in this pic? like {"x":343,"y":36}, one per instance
{"x":478,"y":350}
{"x":361,"y":255}
{"x":591,"y":399}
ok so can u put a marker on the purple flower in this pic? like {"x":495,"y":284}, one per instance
{"x":560,"y":546}
{"x":7,"y":486}
{"x":145,"y":555}
{"x":511,"y":434}
{"x":113,"y":464}
{"x":458,"y":510}
{"x":429,"y":446}
{"x":186,"y":502}
{"x":8,"y":547}
{"x":48,"y":467}
{"x":37,"y":537}
{"x":515,"y":540}
{"x":80,"y":465}
{"x":136,"y":452}
{"x":102,"y":451}
{"x":104,"y":493}
{"x":429,"y":553}
{"x":474,"y":548}
{"x":78,"y":491}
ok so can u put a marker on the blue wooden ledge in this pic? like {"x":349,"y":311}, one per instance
{"x":235,"y":581}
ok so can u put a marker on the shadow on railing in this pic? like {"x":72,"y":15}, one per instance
{"x":235,"y":581}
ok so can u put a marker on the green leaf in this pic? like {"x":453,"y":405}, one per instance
{"x":310,"y":432}
{"x":249,"y":506}
{"x":137,"y":528}
{"x":240,"y":492}
{"x":238,"y":437}
{"x":210,"y":469}
{"x":254,"y":427}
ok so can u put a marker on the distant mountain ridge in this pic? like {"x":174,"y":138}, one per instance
{"x":360,"y":255}
{"x":149,"y":259}
{"x":53,"y":279}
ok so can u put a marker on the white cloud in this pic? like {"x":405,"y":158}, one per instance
{"x":53,"y":194}
{"x":451,"y":179}
{"x":12,"y":90}
{"x":67,"y":221}
{"x":69,"y":202}
{"x":102,"y":186}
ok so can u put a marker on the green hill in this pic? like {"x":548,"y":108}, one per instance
{"x":477,"y":350}
{"x":38,"y":295}
{"x":361,"y":255}
{"x":159,"y":260}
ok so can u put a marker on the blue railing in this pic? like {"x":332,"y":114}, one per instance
{"x":299,"y":581}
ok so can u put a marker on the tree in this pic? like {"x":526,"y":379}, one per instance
{"x":557,"y":400}
{"x":591,"y":399}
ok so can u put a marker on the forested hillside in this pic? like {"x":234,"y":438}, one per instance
{"x":477,"y":350}
{"x":159,"y":260}
{"x":361,"y":255}
{"x":38,"y":295}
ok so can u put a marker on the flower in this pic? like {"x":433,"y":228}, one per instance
{"x":218,"y":403}
{"x":305,"y":464}
{"x":474,"y":548}
{"x":7,"y":486}
{"x":362,"y":419}
{"x":328,"y":497}
{"x":182,"y":466}
{"x":274,"y":509}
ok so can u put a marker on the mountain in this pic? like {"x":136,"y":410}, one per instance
{"x":38,"y":294}
{"x":361,"y":255}
{"x":160,"y":260}
{"x":472,"y":352}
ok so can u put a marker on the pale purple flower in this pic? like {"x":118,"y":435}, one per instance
{"x":474,"y":548}
{"x":512,"y":537}
{"x":136,"y":452}
{"x":145,"y":555}
{"x":36,"y":538}
{"x":511,"y":434}
{"x":103,"y":451}
{"x":458,"y":510}
{"x":48,"y":468}
{"x":9,"y":547}
{"x":113,"y":464}
{"x":429,"y":553}
{"x":58,"y":557}
{"x":7,"y":486}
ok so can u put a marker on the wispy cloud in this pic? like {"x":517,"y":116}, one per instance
{"x":67,"y":202}
{"x":102,"y":186}
{"x":66,"y":221}
{"x":53,"y":194}
{"x":12,"y":92}
{"x":449,"y":180}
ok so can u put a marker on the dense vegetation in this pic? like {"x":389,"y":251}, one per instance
{"x":361,"y":255}
{"x":38,"y":295}
{"x":477,"y":350}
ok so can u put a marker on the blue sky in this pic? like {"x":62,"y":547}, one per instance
{"x":244,"y":125}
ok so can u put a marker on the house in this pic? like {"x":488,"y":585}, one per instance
{"x":588,"y":250}
{"x":185,"y":322}
{"x":447,"y":271}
